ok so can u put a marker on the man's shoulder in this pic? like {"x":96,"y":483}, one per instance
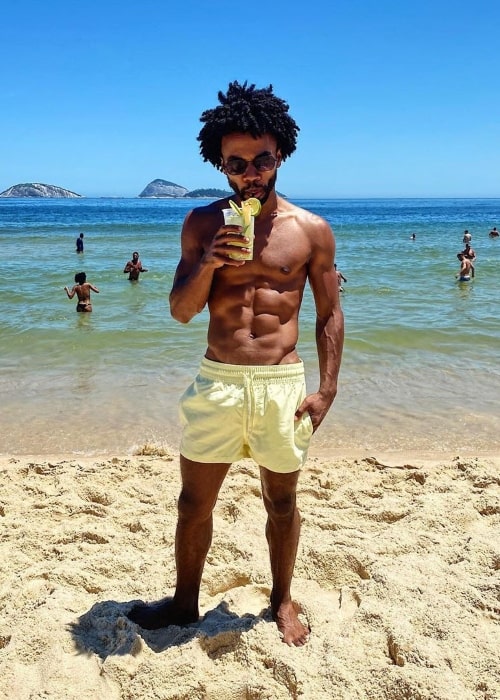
{"x":203,"y":220}
{"x":307,"y":218}
{"x":206,"y":213}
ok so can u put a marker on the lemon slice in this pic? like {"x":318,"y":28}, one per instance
{"x":254,"y":204}
{"x":235,"y":207}
{"x":246,"y":211}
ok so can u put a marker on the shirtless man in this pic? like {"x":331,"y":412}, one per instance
{"x":466,"y":268}
{"x":82,"y":290}
{"x":470,"y":254}
{"x":251,"y":354}
{"x":134,"y":267}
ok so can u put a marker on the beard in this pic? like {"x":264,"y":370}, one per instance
{"x":242,"y":193}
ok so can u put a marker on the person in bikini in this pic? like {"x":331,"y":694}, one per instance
{"x":82,"y":290}
{"x":249,"y":398}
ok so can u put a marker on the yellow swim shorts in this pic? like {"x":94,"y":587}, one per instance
{"x":231,"y":412}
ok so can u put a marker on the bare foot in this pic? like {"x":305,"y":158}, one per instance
{"x":293,"y":631}
{"x":154,"y":616}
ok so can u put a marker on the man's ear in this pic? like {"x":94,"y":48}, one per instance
{"x":280,"y":160}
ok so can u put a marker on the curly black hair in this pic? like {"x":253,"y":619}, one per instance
{"x":246,"y":110}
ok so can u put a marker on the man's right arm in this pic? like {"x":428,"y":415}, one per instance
{"x":195,"y":271}
{"x":190,"y":290}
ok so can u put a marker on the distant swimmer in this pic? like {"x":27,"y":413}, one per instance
{"x":134,"y":267}
{"x":79,"y":244}
{"x":82,"y":290}
{"x":340,"y":278}
{"x":470,"y":254}
{"x":413,"y":237}
{"x":464,"y":274}
{"x":494,"y":233}
{"x":467,"y":237}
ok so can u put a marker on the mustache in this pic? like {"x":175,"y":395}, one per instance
{"x":255,"y":184}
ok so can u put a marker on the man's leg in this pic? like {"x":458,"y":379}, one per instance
{"x":282,"y":532}
{"x":200,"y":487}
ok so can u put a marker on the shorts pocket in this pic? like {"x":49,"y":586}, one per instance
{"x":303,"y":431}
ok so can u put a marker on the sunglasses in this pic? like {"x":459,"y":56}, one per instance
{"x":262,"y":163}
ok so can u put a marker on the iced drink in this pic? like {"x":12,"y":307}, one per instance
{"x":231,"y":218}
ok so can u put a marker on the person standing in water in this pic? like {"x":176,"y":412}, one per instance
{"x":470,"y":254}
{"x":134,"y":267}
{"x":82,"y":290}
{"x":464,"y":275}
{"x":340,"y":278}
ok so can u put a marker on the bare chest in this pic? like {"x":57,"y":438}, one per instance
{"x":280,"y":250}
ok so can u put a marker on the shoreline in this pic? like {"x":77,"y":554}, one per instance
{"x":322,"y":454}
{"x":96,"y":420}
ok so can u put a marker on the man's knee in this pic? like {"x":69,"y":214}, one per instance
{"x":200,"y":488}
{"x":279,"y":492}
{"x":281,"y":507}
{"x":192,"y":506}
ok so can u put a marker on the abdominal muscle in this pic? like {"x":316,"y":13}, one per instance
{"x":253,"y":326}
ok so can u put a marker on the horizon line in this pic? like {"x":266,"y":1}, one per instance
{"x":300,"y":197}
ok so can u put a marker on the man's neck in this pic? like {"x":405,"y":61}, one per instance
{"x":270,"y":207}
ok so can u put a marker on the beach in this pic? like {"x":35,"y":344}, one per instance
{"x":397,"y":576}
{"x":398,"y":567}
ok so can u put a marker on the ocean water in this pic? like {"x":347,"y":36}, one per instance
{"x":421,"y":366}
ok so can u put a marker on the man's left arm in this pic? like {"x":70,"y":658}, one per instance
{"x":329,"y":324}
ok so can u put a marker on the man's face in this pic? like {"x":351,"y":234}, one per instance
{"x":252,"y":182}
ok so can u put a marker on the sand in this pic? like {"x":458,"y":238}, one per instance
{"x":397,"y":574}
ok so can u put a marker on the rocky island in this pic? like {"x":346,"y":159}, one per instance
{"x":212,"y":193}
{"x":157,"y":189}
{"x":37,"y":189}
{"x":164,"y":189}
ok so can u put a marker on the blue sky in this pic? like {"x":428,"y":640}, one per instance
{"x":393,"y":99}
